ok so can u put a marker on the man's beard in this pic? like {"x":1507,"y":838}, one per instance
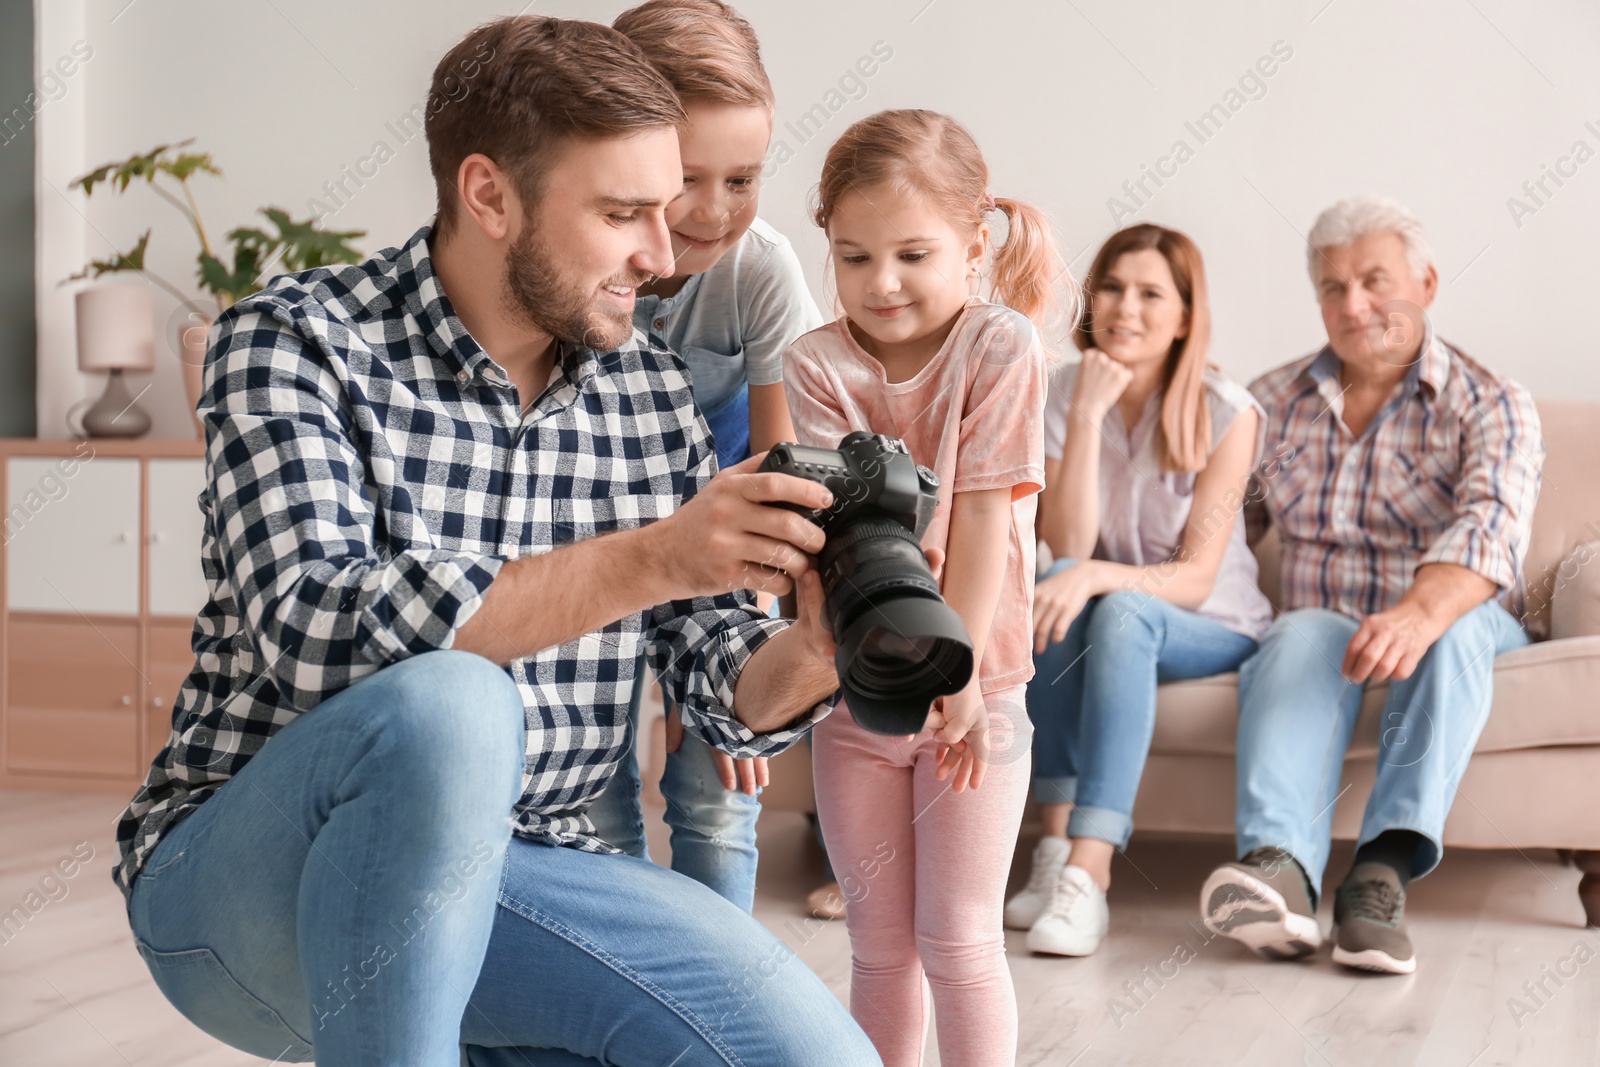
{"x":536,"y":293}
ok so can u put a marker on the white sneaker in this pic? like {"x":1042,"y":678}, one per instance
{"x":1075,"y":922}
{"x":1049,"y":857}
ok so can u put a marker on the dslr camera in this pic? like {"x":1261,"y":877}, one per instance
{"x":899,"y":644}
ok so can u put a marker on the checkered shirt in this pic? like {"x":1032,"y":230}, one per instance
{"x":1447,"y":472}
{"x":368,"y":472}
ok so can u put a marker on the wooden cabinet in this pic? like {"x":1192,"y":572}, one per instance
{"x":72,"y":698}
{"x":176,"y":584}
{"x":168,"y":661}
{"x":73,"y":535}
{"x":101,"y":583}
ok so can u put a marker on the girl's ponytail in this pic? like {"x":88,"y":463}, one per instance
{"x":1027,"y":268}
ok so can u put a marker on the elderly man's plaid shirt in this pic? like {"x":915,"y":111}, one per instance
{"x":1447,"y":472}
{"x":368,"y":473}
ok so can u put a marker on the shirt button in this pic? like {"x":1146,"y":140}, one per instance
{"x":660,"y":323}
{"x":462,"y":376}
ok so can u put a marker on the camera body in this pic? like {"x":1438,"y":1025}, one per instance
{"x":866,"y":471}
{"x":899,"y":645}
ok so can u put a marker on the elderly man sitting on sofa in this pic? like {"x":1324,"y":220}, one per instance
{"x":1403,"y":482}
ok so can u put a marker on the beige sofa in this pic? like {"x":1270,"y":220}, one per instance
{"x":1533,"y":780}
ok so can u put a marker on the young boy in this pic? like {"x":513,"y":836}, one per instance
{"x":736,"y":299}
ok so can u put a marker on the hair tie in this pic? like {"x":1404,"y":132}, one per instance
{"x":988,"y":201}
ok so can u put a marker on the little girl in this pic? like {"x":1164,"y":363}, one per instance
{"x":905,"y":205}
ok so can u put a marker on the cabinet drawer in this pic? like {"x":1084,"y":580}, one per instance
{"x":168,"y":662}
{"x":73,"y":529}
{"x":71,"y":693}
{"x":177,"y":586}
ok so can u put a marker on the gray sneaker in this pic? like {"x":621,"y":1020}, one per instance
{"x":1262,"y":902}
{"x":1369,"y":921}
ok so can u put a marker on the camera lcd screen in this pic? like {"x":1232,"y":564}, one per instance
{"x":805,"y":454}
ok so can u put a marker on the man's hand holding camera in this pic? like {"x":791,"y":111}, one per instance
{"x":730,"y":537}
{"x":745,"y":529}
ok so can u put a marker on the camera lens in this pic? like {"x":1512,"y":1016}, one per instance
{"x":899,"y":644}
{"x":886,"y":650}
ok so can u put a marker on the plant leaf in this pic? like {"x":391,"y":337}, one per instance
{"x":144,"y":165}
{"x":307,"y":246}
{"x":132,"y":259}
{"x":182,"y":166}
{"x":231,"y":285}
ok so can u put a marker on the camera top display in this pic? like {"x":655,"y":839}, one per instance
{"x":866,"y":471}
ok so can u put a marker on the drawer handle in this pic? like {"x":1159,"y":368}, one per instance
{"x":126,"y":700}
{"x":157,"y":702}
{"x":157,"y":537}
{"x":124,"y":537}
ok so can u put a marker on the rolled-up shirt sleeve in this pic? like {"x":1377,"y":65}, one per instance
{"x":698,"y":647}
{"x":295,"y":521}
{"x":1503,"y":456}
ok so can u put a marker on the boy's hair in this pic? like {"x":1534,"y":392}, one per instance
{"x":1185,"y":416}
{"x":515,"y":88}
{"x":704,"y":48}
{"x":934,"y":155}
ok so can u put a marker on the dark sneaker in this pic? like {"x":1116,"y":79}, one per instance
{"x":1369,"y":921}
{"x":1263,"y":903}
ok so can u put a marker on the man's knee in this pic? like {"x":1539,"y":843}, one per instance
{"x":1310,"y":636}
{"x":449,"y":709}
{"x":1467,"y":644}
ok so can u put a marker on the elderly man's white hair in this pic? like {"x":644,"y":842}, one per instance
{"x":1361,"y":216}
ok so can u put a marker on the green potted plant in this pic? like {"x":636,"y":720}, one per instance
{"x":291,"y":246}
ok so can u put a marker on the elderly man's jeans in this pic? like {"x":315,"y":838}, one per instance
{"x":355,"y":891}
{"x":1297,"y":713}
{"x":713,"y":827}
{"x":1093,"y":700}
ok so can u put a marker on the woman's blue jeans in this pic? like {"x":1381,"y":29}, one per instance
{"x":713,"y":827}
{"x":1093,"y":701}
{"x":354,"y":892}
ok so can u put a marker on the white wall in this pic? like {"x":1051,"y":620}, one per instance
{"x":1447,"y":106}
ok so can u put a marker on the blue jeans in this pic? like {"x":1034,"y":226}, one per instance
{"x":1093,"y":701}
{"x":1297,"y":713}
{"x":713,"y":827}
{"x":355,"y":891}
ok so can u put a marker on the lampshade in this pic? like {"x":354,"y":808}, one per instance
{"x":116,"y":328}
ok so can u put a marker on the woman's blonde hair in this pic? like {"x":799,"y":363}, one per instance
{"x":1185,"y":441}
{"x":934,"y":155}
{"x":704,"y":48}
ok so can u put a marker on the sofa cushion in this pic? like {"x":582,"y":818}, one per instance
{"x":1543,"y":696}
{"x":1569,"y":501}
{"x":1575,"y":602}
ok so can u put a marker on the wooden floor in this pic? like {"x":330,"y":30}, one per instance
{"x":73,"y":991}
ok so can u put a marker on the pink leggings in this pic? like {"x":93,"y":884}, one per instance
{"x":923,"y":871}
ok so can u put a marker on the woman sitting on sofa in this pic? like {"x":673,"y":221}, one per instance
{"x":1149,"y":451}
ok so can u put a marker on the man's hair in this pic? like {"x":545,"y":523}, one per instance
{"x":514,"y":89}
{"x":704,"y":48}
{"x":1362,"y":216}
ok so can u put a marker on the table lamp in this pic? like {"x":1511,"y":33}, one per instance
{"x":116,"y":333}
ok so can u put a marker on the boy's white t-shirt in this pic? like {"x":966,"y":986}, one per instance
{"x":732,"y":323}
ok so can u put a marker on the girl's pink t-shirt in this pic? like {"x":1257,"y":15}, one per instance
{"x":974,"y":416}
